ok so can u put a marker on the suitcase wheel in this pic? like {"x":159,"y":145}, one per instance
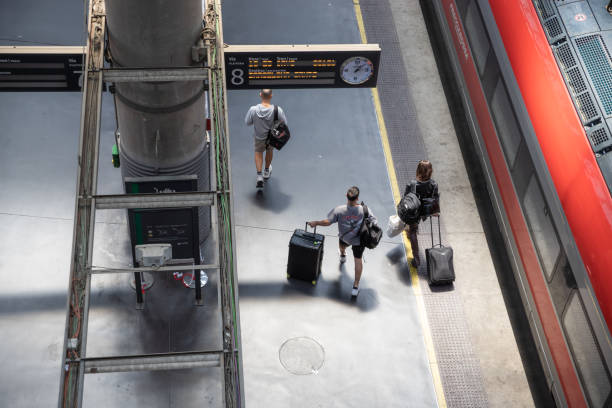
{"x":314,"y":282}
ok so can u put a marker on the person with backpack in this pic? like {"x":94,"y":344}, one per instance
{"x":421,"y":200}
{"x":350,"y":218}
{"x":261,"y":117}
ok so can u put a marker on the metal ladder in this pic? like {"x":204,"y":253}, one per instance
{"x":75,"y":363}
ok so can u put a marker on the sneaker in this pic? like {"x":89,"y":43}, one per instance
{"x":267,"y":173}
{"x":342,"y":257}
{"x":260,"y":181}
{"x":355,"y":291}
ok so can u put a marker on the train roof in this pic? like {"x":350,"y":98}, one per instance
{"x":580,"y":34}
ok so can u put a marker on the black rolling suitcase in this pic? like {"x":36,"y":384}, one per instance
{"x":305,"y":255}
{"x":440,"y":269}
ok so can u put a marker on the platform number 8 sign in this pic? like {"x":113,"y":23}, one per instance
{"x":237,"y":76}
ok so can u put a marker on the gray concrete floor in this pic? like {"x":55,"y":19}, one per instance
{"x":374,"y":350}
{"x":374,"y":354}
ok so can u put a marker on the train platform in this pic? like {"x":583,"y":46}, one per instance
{"x":399,"y":343}
{"x":338,"y":141}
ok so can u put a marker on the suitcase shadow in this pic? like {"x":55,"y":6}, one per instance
{"x":397,"y":257}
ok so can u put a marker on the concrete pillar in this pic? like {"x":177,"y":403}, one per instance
{"x":162,"y":124}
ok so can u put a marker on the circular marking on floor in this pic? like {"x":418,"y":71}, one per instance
{"x":301,"y":355}
{"x":580,"y":17}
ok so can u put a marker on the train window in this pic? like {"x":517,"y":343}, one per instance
{"x":505,"y":122}
{"x":477,"y":35}
{"x":540,"y":224}
{"x":462,"y":5}
{"x":561,"y":284}
{"x":586,"y":354}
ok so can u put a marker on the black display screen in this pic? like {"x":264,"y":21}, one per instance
{"x":42,"y":72}
{"x":175,"y":226}
{"x":166,"y":226}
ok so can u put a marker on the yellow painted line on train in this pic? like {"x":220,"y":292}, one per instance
{"x":414,"y":277}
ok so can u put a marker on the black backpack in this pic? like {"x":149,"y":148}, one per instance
{"x":279,"y":134}
{"x":409,"y":207}
{"x":369,"y":232}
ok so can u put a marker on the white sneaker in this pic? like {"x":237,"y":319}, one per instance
{"x":260,"y":181}
{"x":267,"y":173}
{"x":354,"y":292}
{"x":342,"y":257}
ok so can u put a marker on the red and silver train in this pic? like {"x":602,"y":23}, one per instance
{"x":533,"y":87}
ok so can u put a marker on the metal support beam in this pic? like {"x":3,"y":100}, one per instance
{"x":165,"y":200}
{"x":178,"y":268}
{"x":152,"y":362}
{"x":233,"y":380}
{"x":74,"y":362}
{"x":155,"y":74}
{"x":75,"y":335}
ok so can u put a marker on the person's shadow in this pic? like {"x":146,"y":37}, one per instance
{"x":338,"y":290}
{"x":272,"y":198}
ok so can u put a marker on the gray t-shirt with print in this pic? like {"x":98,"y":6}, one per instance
{"x":349,"y":220}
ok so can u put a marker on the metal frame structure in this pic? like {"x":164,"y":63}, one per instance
{"x":75,"y":364}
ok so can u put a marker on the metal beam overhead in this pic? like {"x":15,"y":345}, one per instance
{"x":164,"y":200}
{"x":153,"y":362}
{"x":155,"y":74}
{"x":177,"y":268}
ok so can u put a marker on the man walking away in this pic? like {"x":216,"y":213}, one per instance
{"x":261,"y":117}
{"x":349,"y":218}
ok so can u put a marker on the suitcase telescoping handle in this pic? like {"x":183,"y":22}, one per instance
{"x":439,"y":232}
{"x":306,"y":228}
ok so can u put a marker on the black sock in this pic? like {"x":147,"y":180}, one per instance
{"x":259,"y":173}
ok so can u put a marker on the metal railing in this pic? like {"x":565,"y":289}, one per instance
{"x":232,"y":364}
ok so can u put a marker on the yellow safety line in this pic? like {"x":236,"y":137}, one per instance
{"x":414,"y":277}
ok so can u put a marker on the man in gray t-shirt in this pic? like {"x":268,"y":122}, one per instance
{"x":261,"y":117}
{"x":349,"y":218}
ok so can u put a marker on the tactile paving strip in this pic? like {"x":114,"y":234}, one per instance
{"x":459,"y":365}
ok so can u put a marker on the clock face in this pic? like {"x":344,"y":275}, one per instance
{"x":356,"y":70}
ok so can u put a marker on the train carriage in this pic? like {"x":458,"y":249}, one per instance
{"x":532,"y":78}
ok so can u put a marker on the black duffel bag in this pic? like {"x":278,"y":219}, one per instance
{"x":369,"y":233}
{"x":279,"y":134}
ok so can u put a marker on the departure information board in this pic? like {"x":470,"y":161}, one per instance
{"x":301,"y":66}
{"x":40,"y":69}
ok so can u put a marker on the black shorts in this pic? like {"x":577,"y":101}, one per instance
{"x":357,"y":249}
